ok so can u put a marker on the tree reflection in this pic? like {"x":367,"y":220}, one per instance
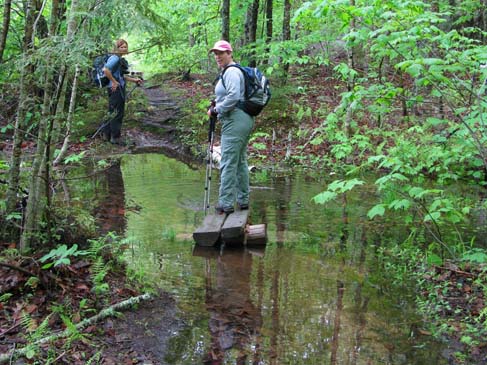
{"x":234,"y":321}
{"x":111,"y":213}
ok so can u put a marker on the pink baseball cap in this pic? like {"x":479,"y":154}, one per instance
{"x":221,"y":46}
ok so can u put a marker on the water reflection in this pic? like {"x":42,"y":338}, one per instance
{"x":111,"y":214}
{"x":312,"y":298}
{"x":234,"y":320}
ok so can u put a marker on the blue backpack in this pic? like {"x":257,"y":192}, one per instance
{"x":257,"y":89}
{"x":98,"y":77}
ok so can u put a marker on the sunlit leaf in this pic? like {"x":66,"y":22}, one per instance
{"x":434,"y":259}
{"x":324,"y":197}
{"x":400,"y":204}
{"x":379,"y":209}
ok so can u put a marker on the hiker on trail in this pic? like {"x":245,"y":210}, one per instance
{"x":115,"y":69}
{"x":236,"y":126}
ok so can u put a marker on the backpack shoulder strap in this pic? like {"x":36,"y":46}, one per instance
{"x":236,"y":65}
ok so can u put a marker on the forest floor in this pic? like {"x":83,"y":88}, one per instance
{"x":138,"y":336}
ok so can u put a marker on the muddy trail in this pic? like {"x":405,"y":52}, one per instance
{"x":158,"y":130}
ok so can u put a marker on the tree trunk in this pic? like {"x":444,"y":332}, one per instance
{"x":251,"y":22}
{"x":251,"y":28}
{"x":39,"y":192}
{"x":268,"y":21}
{"x":6,"y":24}
{"x":226,"y":20}
{"x":268,"y":26}
{"x":286,"y":28}
{"x":24,"y":102}
{"x":435,"y":6}
{"x":69,"y":119}
{"x":351,"y":81}
{"x":36,"y":204}
{"x":57,"y":12}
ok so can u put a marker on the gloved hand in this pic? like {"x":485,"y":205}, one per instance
{"x":213,"y":111}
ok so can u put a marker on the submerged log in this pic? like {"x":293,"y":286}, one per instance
{"x":256,"y":235}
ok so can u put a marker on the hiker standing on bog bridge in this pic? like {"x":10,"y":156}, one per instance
{"x":115,"y":69}
{"x":236,"y":126}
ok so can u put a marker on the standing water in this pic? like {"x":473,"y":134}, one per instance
{"x":313,"y":295}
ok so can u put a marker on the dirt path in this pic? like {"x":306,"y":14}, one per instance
{"x":158,"y":127}
{"x":140,"y":336}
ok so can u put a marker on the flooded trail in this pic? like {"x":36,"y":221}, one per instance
{"x":313,"y":295}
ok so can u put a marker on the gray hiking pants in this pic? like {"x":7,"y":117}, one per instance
{"x":234,"y":172}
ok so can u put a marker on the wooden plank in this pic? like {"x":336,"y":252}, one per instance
{"x":233,"y":230}
{"x":208,"y":233}
{"x":256,"y":235}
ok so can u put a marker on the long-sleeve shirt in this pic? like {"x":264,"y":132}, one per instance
{"x":228,"y":96}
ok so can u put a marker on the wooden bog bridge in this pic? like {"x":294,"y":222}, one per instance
{"x":232,"y":229}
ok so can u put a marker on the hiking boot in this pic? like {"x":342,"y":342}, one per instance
{"x":221,"y":210}
{"x":105,"y":136}
{"x":117,"y":141}
{"x":243,"y":206}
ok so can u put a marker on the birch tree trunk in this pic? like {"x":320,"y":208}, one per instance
{"x":6,"y":25}
{"x":62,"y":84}
{"x":69,"y":118}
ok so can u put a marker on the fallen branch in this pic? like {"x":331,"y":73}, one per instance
{"x":18,"y":268}
{"x":110,"y":311}
{"x":456,"y":271}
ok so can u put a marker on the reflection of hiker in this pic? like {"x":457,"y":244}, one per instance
{"x":114,"y":70}
{"x":235,"y":321}
{"x":236,"y":128}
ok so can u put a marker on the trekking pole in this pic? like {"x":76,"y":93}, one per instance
{"x":209,"y":162}
{"x":130,"y":92}
{"x":100,"y":128}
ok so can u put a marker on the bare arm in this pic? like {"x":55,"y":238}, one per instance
{"x":114,"y":81}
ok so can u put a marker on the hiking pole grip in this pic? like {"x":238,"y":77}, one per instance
{"x":211,"y":128}
{"x":212,"y":122}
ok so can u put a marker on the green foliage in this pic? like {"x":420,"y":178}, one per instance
{"x":61,"y":256}
{"x":99,"y":270}
{"x":75,"y":158}
{"x":475,"y":255}
{"x":34,"y":332}
{"x":335,"y":188}
{"x":169,"y":234}
{"x":5,"y":297}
